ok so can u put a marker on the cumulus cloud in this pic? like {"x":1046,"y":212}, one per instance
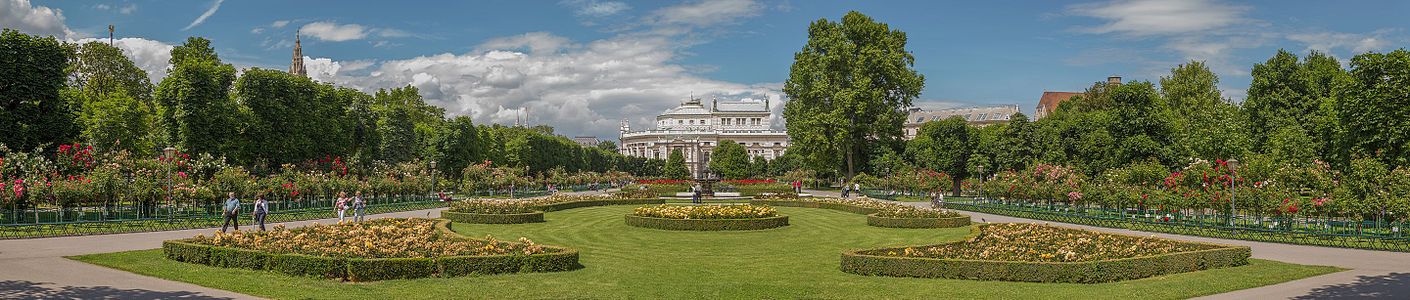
{"x":584,"y":89}
{"x":330,"y":31}
{"x":202,"y":19}
{"x":25,"y":17}
{"x":279,"y":24}
{"x":596,"y":9}
{"x":1159,"y":17}
{"x":1355,"y":42}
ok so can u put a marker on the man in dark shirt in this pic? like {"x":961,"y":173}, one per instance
{"x":232,"y":212}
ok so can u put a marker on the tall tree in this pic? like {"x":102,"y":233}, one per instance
{"x":1206,"y":126}
{"x":31,"y":77}
{"x":292,"y":118}
{"x":945,"y":146}
{"x":674,"y":168}
{"x":1286,"y":92}
{"x":849,"y":87}
{"x":731,"y":160}
{"x":458,"y":145}
{"x":1373,"y":103}
{"x":194,"y":100}
{"x":116,"y":99}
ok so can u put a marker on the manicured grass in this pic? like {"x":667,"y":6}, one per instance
{"x":798,"y":261}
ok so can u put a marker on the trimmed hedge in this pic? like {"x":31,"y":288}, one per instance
{"x":707,"y":225}
{"x":604,"y":202}
{"x":874,"y":220}
{"x":814,"y":204}
{"x":858,"y":262}
{"x":371,"y":269}
{"x":473,"y":218}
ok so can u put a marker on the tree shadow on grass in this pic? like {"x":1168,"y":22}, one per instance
{"x":20,"y":289}
{"x":1388,"y":286}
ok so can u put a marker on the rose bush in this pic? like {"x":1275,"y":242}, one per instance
{"x":706,"y":212}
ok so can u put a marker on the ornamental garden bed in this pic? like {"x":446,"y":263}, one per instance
{"x":491,"y":211}
{"x":369,"y":251}
{"x":879,"y":214}
{"x":706,"y":217}
{"x":1044,"y":253}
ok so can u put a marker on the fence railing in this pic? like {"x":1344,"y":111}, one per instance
{"x":138,"y":216}
{"x":1301,"y":230}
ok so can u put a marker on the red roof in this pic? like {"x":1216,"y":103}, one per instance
{"x":1050,"y":100}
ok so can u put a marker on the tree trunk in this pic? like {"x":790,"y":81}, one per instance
{"x":850,"y":166}
{"x":955,"y":185}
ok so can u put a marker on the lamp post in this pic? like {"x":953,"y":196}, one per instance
{"x":981,"y":182}
{"x":433,"y":179}
{"x":1233,"y":171}
{"x":170,"y":153}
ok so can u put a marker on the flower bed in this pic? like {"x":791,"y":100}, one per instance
{"x":706,"y":217}
{"x":879,"y":214}
{"x":1042,"y":253}
{"x":369,"y":251}
{"x":480,"y":211}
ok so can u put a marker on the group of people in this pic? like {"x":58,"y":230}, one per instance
{"x":344,"y":203}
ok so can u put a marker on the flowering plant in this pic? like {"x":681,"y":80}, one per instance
{"x":381,"y":238}
{"x":702,"y":212}
{"x":1045,"y":243}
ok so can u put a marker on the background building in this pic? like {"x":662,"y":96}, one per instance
{"x":979,"y":116}
{"x":586,"y":140}
{"x":1048,"y":103}
{"x":696,"y":129}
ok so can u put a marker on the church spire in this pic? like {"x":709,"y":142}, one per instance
{"x":297,"y":66}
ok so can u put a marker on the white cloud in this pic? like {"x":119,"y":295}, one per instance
{"x":1159,"y":17}
{"x":330,"y":31}
{"x":207,"y":14}
{"x":21,"y":15}
{"x":596,"y":9}
{"x":584,"y":89}
{"x":149,"y":55}
{"x":1328,"y":42}
{"x":279,"y":24}
{"x":392,"y":33}
{"x":706,"y":13}
{"x":128,"y":9}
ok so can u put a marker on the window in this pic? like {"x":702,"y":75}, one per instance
{"x":678,"y":122}
{"x":920,"y":119}
{"x":726,"y":122}
{"x":933,"y":118}
{"x":692,"y":122}
{"x":981,"y":116}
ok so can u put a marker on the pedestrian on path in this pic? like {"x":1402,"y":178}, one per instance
{"x":341,"y":205}
{"x":232,"y":210}
{"x":260,"y":211}
{"x":359,"y":207}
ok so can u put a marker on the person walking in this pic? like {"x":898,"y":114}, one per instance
{"x":232,"y":209}
{"x":857,"y":188}
{"x":695,"y":194}
{"x":359,"y":207}
{"x":260,"y":211}
{"x":341,"y":205}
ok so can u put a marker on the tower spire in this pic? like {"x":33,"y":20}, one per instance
{"x":297,"y":66}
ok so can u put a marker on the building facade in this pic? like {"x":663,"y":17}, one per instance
{"x":978,"y":116}
{"x":1048,"y":103}
{"x":696,"y":130}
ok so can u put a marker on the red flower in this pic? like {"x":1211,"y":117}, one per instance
{"x":182,"y":173}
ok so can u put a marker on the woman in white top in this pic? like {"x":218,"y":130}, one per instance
{"x":341,"y":205}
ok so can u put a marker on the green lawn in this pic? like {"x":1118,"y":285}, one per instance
{"x":798,"y":261}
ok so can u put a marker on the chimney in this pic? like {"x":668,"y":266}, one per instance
{"x":1113,"y":80}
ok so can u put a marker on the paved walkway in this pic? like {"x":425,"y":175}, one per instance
{"x":1372,"y":274}
{"x":37,"y":269}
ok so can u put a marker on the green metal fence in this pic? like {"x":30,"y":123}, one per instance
{"x":1290,"y":230}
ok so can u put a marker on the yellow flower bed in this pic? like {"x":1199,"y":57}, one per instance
{"x":1045,"y":243}
{"x":381,"y":238}
{"x":706,"y":212}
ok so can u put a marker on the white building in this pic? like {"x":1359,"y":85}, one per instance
{"x":978,"y":116}
{"x":696,"y":130}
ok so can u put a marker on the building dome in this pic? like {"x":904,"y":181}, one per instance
{"x":692,"y":108}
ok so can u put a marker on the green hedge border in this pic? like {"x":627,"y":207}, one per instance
{"x":814,"y":204}
{"x":473,"y":218}
{"x":707,"y":224}
{"x":952,"y":222}
{"x":856,"y":262}
{"x":373,"y":269}
{"x":604,"y":202}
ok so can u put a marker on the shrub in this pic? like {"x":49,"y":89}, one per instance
{"x":744,"y":211}
{"x":707,"y":224}
{"x":949,"y":222}
{"x":491,"y":207}
{"x":480,"y":218}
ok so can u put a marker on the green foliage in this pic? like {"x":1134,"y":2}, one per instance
{"x":194,"y":101}
{"x":945,"y":146}
{"x":949,"y":222}
{"x":1373,"y":104}
{"x":292,"y":118}
{"x":1085,"y":272}
{"x":849,"y":87}
{"x":32,"y":70}
{"x":731,"y":160}
{"x":493,"y":218}
{"x":675,"y":166}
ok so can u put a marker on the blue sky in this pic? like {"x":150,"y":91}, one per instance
{"x":585,"y":65}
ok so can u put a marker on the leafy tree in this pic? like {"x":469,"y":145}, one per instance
{"x":1285,"y":92}
{"x":398,"y":134}
{"x":116,"y":100}
{"x":292,"y":118}
{"x":731,"y":160}
{"x":607,"y":145}
{"x":1015,"y":143}
{"x":674,"y":168}
{"x":945,"y":146}
{"x":194,"y":100}
{"x":100,"y":69}
{"x":31,"y":77}
{"x":459,"y":145}
{"x":1205,"y":125}
{"x":1373,"y":103}
{"x":848,"y":86}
